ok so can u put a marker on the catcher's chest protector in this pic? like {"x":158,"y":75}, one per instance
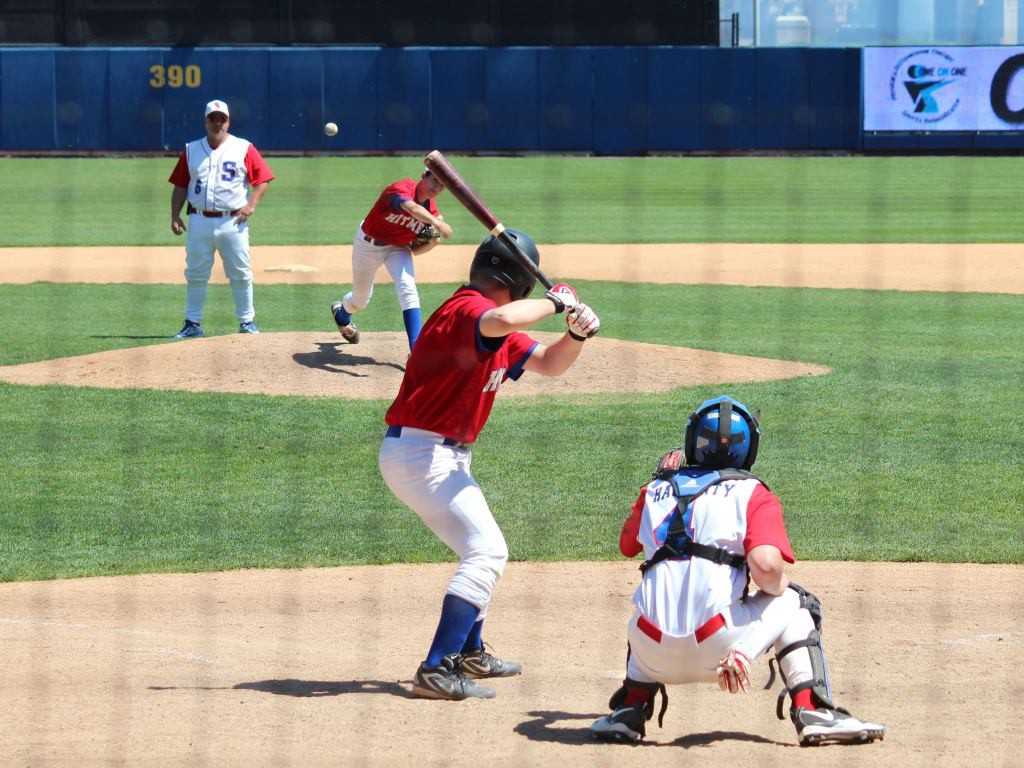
{"x":689,"y":483}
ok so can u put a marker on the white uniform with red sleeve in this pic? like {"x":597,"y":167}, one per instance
{"x":691,"y":612}
{"x":218,"y":181}
{"x":450,"y":383}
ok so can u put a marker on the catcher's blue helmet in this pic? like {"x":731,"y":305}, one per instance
{"x":722,"y":433}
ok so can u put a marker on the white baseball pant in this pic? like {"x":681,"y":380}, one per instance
{"x":366,"y":260}
{"x":230,"y":239}
{"x":751,"y":626}
{"x":434,"y":481}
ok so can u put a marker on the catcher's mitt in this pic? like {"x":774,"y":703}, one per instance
{"x":427,"y":233}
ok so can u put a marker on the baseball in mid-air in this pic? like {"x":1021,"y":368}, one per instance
{"x":331,"y":129}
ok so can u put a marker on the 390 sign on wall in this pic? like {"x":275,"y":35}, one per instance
{"x":175,"y":76}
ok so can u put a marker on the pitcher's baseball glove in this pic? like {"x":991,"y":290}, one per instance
{"x":426,"y":234}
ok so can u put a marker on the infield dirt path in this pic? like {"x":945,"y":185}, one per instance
{"x":313,"y":667}
{"x":904,"y":267}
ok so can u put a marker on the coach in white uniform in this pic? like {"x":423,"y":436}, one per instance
{"x":214,"y":174}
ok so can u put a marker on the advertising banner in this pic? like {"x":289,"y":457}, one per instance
{"x":943,"y":89}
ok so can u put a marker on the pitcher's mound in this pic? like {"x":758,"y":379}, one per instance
{"x":323,"y":365}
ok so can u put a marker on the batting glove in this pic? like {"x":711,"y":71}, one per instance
{"x":734,"y":673}
{"x":563,"y":296}
{"x":582,"y":322}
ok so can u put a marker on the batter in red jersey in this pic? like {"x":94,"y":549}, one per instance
{"x":223,"y":178}
{"x":469,"y":347}
{"x":389,"y":236}
{"x":704,"y":523}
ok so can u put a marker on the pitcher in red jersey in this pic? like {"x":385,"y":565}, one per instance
{"x":388,"y":236}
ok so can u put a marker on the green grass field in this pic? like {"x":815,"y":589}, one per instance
{"x":90,"y":201}
{"x":909,"y":450}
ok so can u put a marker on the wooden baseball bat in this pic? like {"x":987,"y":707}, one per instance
{"x":445,"y":172}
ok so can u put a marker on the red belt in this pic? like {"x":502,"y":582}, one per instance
{"x":217,"y":214}
{"x":704,"y":631}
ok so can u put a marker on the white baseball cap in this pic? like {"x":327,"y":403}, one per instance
{"x":216,"y":106}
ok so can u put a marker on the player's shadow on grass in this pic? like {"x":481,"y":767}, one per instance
{"x":315,"y":688}
{"x":331,"y":358}
{"x":543,"y":728}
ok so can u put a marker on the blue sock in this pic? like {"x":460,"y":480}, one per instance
{"x":457,"y":619}
{"x":341,"y":317}
{"x":413,"y":323}
{"x":474,"y":641}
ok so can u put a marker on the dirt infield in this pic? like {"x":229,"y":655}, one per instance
{"x":322,"y":365}
{"x":313,"y":667}
{"x":906,"y":267}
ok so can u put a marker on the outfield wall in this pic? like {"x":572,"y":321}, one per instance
{"x":605,"y":100}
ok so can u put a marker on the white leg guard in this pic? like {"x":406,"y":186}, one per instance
{"x":801,"y":655}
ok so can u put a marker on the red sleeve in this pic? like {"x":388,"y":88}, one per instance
{"x":180,"y":177}
{"x":765,"y":524}
{"x":628,"y":543}
{"x":256,"y":167}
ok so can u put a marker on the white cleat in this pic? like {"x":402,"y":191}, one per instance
{"x":833,"y":726}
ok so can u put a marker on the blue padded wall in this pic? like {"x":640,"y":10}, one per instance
{"x":608,"y":100}
{"x":134,"y":108}
{"x":565,"y":98}
{"x":727,"y":91}
{"x":512,"y":99}
{"x":28,"y":110}
{"x":782,"y":100}
{"x":350,"y":99}
{"x":403,"y":87}
{"x":621,"y":113}
{"x":676,"y":109}
{"x":459,"y":110}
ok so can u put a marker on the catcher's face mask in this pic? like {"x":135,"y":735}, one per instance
{"x":722,"y":433}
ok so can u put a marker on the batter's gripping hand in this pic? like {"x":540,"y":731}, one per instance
{"x":582,"y":322}
{"x":734,"y":673}
{"x":563,"y":296}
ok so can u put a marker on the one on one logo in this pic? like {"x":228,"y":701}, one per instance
{"x":928,"y":81}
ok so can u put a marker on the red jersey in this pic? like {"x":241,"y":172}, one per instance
{"x":388,"y":223}
{"x":454,"y":373}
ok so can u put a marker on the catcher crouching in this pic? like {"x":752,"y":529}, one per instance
{"x":707,"y":526}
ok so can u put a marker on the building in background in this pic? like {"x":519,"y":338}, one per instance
{"x":844,"y":23}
